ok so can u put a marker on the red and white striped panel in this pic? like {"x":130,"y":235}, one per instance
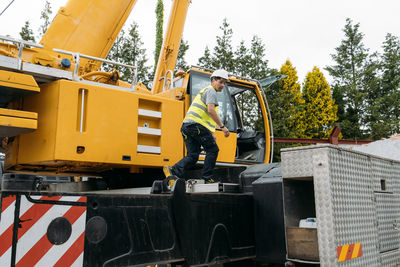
{"x":6,"y":223}
{"x":34,"y":248}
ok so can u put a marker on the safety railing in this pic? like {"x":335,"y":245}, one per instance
{"x":78,"y":56}
{"x":20,"y":44}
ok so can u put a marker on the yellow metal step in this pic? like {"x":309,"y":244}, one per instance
{"x":14,"y":85}
{"x":16,"y":122}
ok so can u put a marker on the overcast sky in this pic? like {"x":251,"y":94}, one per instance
{"x":304,"y":31}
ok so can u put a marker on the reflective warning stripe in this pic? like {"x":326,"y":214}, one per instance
{"x":33,"y":246}
{"x":35,"y":212}
{"x":77,"y":217}
{"x":75,"y":252}
{"x":348,"y":252}
{"x":6,"y":202}
{"x":6,"y":222}
{"x":43,"y":253}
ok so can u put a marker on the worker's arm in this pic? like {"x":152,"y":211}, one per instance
{"x":213,"y":114}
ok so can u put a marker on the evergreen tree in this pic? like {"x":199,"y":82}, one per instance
{"x":247,"y":103}
{"x":242,"y":60}
{"x":320,"y":109}
{"x":286,"y":104}
{"x":390,"y":66}
{"x":181,"y":62}
{"x":376,"y":114}
{"x":26,"y":32}
{"x":382,"y":79}
{"x":45,"y":17}
{"x":134,"y":54}
{"x":159,"y":31}
{"x":348,"y":74}
{"x":128,"y":49}
{"x":223,"y":51}
{"x":206,"y":60}
{"x":258,"y":67}
{"x":115,"y":53}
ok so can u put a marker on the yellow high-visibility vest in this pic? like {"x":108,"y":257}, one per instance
{"x":198,"y":112}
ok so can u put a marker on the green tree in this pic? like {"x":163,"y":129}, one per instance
{"x":159,"y":31}
{"x":391,"y":80}
{"x":258,"y":67}
{"x":128,"y":49}
{"x":181,"y":62}
{"x":242,"y":60}
{"x":286,"y":104}
{"x":45,"y":17}
{"x":320,"y":111}
{"x":26,"y":32}
{"x":250,"y":63}
{"x":382,"y":80}
{"x":350,"y":58}
{"x":223,"y":56}
{"x":375,"y":117}
{"x":205,"y":61}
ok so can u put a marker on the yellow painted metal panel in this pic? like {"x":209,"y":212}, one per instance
{"x":12,"y":126}
{"x":227,"y":146}
{"x":18,"y":81}
{"x":38,"y":146}
{"x":18,"y":113}
{"x":109,"y":123}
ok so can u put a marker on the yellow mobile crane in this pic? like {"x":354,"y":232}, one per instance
{"x":60,"y":114}
{"x":63,"y":115}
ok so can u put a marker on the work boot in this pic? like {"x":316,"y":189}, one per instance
{"x":168,"y":171}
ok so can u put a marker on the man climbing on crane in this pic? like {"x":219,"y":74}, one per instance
{"x":198,"y":129}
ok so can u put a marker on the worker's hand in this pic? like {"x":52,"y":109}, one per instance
{"x":226,"y":131}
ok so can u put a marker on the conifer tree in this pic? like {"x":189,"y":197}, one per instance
{"x":383,"y":83}
{"x":223,"y":51}
{"x":287,"y":109}
{"x":376,"y":113}
{"x":26,"y":32}
{"x":258,"y":67}
{"x":45,"y":15}
{"x":205,"y":61}
{"x":320,"y":110}
{"x":242,"y":60}
{"x":128,"y":49}
{"x":181,"y":62}
{"x":135,"y":54}
{"x":159,"y":31}
{"x":391,"y":80}
{"x":348,"y":74}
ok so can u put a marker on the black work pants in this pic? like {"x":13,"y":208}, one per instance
{"x":196,"y":136}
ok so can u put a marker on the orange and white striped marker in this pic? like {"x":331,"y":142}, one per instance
{"x":348,"y":252}
{"x":33,"y":247}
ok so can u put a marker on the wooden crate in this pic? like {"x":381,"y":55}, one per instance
{"x":302,"y":243}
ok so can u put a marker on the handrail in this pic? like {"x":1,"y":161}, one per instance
{"x":20,"y":44}
{"x":10,"y":39}
{"x":77,"y":57}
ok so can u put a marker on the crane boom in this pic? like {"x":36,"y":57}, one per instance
{"x":77,"y":26}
